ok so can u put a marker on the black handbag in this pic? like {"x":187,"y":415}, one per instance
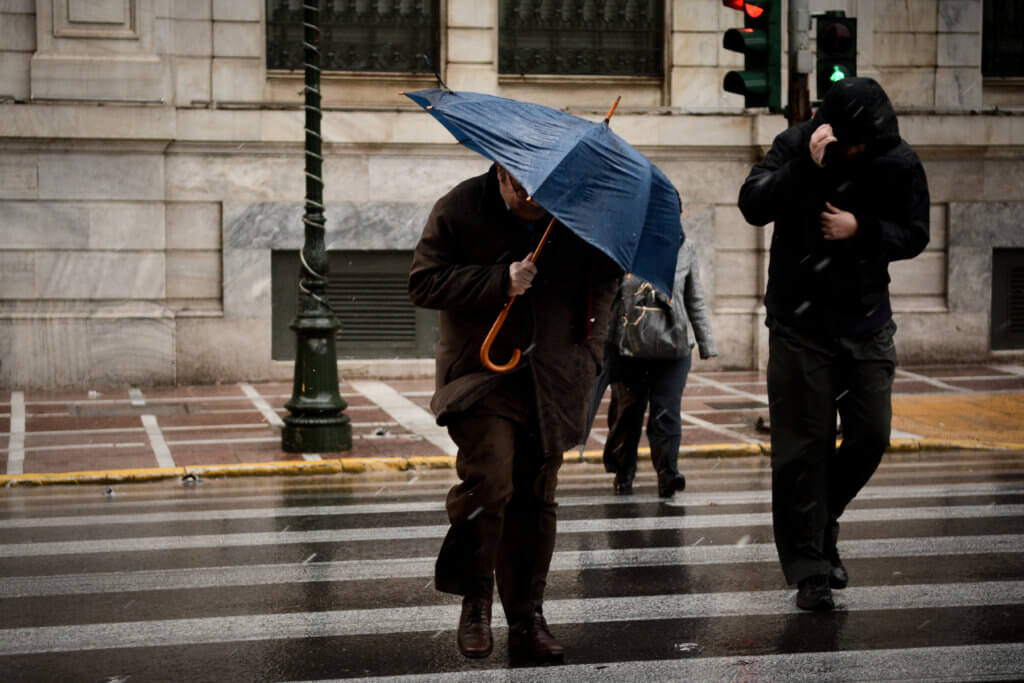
{"x":649,"y":326}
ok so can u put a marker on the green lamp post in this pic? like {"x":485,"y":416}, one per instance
{"x":316,"y":423}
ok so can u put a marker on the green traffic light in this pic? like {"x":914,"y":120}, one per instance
{"x":837,"y":74}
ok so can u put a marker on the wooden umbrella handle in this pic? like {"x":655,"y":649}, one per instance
{"x":485,"y":348}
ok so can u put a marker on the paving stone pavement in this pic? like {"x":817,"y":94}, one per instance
{"x":152,"y":432}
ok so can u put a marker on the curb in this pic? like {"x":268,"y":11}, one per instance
{"x":427,"y":462}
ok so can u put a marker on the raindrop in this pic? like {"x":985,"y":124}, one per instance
{"x":802,"y":307}
{"x":822,"y":264}
{"x":475,"y":513}
{"x":687,"y":647}
{"x":840,"y":396}
{"x":109,"y":493}
{"x":843,"y":187}
{"x":744,"y":541}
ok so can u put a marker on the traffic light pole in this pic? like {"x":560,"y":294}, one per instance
{"x":316,"y":423}
{"x":798,"y":108}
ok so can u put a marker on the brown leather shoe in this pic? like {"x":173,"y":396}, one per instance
{"x":474,"y":636}
{"x":532,"y":640}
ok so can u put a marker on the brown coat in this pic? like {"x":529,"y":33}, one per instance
{"x":460,"y":266}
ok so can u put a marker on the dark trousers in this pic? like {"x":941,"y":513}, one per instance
{"x":502,"y":514}
{"x":810,"y":380}
{"x":637,"y":383}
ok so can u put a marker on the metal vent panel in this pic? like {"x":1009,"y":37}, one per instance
{"x":1007,"y":299}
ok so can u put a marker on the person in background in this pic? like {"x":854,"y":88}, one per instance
{"x":847,"y":196}
{"x":511,"y":429}
{"x":649,"y":359}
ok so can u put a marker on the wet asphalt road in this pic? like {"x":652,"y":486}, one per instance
{"x":320,"y":578}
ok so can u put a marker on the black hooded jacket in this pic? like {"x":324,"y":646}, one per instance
{"x":839,"y":288}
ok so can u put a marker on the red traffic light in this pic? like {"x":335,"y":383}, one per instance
{"x":754,"y":11}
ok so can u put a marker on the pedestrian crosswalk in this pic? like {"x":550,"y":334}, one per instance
{"x":330,"y":578}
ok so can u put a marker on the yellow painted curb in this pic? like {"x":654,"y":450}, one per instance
{"x":358,"y":465}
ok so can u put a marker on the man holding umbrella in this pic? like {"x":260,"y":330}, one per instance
{"x":511,"y":427}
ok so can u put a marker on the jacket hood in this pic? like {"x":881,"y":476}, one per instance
{"x":860,"y":112}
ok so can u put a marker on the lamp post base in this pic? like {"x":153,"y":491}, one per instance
{"x":316,"y":434}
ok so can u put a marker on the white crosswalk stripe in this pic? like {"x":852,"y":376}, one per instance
{"x":640,"y":588}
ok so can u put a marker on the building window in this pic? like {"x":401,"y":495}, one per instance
{"x":1007,"y":299}
{"x":581,"y":37}
{"x":369,"y":294}
{"x":384,"y":36}
{"x":1002,"y":39}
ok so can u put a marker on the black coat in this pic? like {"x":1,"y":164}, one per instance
{"x":839,"y":287}
{"x":460,"y":266}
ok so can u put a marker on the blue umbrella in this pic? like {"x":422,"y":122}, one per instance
{"x":582,"y":173}
{"x":593,"y":181}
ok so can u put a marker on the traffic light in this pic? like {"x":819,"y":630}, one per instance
{"x":760,"y":41}
{"x":837,"y":49}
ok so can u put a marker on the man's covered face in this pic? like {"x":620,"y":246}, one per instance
{"x":519,"y":202}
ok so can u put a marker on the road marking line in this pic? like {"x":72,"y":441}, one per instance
{"x":932,"y":381}
{"x":710,"y":426}
{"x":269,"y":414}
{"x":946,"y":663}
{"x":729,"y":389}
{"x":437,"y":531}
{"x":691,"y":501}
{"x":228,"y":576}
{"x":335,"y":623}
{"x":406,"y":413}
{"x":135,"y":395}
{"x":156,"y":441}
{"x":16,"y":443}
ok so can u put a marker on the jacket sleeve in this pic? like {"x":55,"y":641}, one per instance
{"x":439,"y":279}
{"x":697,"y":310}
{"x":774,"y":184}
{"x":900,"y":230}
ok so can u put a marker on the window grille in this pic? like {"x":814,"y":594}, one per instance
{"x":1002,"y":39}
{"x":358,"y":35}
{"x":581,"y":37}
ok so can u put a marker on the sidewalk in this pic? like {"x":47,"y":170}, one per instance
{"x":234,"y":429}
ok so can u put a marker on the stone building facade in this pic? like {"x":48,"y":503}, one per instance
{"x":151,"y":179}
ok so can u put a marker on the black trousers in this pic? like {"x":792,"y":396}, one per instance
{"x":635,"y":384}
{"x":503,"y":513}
{"x":811,"y":380}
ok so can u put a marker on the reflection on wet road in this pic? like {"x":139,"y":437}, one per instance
{"x":331,"y":578}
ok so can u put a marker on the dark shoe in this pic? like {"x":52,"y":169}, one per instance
{"x":814,"y":594}
{"x":532,"y":640}
{"x":474,"y":636}
{"x":668,"y":486}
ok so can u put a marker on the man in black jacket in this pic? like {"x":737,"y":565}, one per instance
{"x":847,"y":196}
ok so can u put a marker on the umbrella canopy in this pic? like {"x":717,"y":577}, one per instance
{"x":585,"y":175}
